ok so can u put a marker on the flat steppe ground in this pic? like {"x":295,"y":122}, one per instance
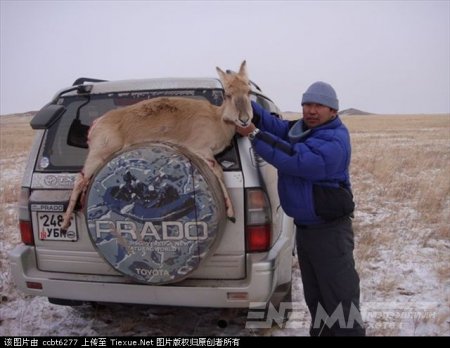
{"x":400,"y":175}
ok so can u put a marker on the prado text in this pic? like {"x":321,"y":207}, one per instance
{"x":171,"y":230}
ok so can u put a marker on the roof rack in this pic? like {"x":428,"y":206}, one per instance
{"x":81,"y":80}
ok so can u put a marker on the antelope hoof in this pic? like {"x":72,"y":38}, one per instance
{"x":65,"y":224}
{"x":230,"y":212}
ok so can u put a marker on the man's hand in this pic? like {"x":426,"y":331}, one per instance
{"x":245,"y":131}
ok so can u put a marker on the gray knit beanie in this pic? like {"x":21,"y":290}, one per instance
{"x":321,"y":93}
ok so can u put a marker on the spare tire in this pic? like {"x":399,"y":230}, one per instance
{"x":154,"y":211}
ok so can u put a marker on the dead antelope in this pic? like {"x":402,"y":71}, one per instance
{"x":203,"y":128}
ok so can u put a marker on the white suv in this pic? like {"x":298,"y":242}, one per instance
{"x":249,"y":260}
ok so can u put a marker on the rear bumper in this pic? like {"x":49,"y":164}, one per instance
{"x":259,"y":285}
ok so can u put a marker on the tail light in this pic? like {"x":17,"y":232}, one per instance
{"x":26,"y":229}
{"x":258,"y":221}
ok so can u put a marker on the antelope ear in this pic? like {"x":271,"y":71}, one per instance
{"x":221,"y":73}
{"x":243,"y":69}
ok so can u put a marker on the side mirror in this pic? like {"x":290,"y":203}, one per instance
{"x":78,"y":134}
{"x":47,"y":116}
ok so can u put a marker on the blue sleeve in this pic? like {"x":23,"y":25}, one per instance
{"x":315,"y":159}
{"x":267,"y":122}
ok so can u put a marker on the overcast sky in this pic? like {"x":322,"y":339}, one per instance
{"x":380,"y":56}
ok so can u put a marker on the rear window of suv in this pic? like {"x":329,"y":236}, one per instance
{"x":59,"y":153}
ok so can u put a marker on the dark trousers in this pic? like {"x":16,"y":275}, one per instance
{"x":330,"y":280}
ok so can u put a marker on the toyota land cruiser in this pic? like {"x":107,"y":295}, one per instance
{"x":247,"y":261}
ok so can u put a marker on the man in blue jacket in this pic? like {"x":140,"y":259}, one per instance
{"x":312,"y":157}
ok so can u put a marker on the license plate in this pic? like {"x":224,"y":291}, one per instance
{"x":50,"y":227}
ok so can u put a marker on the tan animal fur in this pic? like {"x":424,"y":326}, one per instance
{"x":203,"y":128}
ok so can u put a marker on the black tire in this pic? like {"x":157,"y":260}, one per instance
{"x":154,"y":211}
{"x":64,"y":302}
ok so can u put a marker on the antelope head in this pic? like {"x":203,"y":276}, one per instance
{"x":237,"y":108}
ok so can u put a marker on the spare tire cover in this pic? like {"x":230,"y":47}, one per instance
{"x":154,"y":211}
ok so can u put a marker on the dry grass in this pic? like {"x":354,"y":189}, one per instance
{"x":407,"y":157}
{"x":403,"y":160}
{"x":400,"y":178}
{"x":16,"y":137}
